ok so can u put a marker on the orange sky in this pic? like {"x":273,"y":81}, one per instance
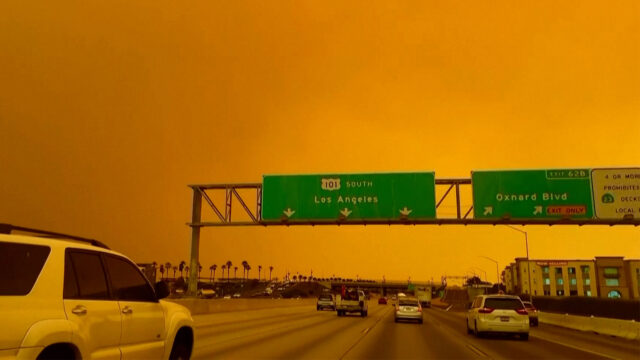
{"x":109,"y":109}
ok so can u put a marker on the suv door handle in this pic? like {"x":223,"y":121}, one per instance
{"x":127,"y":310}
{"x":79,"y":310}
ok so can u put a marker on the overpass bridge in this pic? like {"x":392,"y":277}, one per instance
{"x":382,"y":287}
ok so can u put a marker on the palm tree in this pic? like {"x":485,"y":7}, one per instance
{"x":229,"y":264}
{"x":259,"y":270}
{"x":161,"y":271}
{"x":211,"y":273}
{"x":167,"y":266}
{"x":270,"y":270}
{"x":155,"y":267}
{"x":244,"y":267}
{"x":175,"y":268}
{"x":235,"y":271}
{"x":248,"y":268}
{"x":295,"y":277}
{"x":181,"y":266}
{"x":186,"y":271}
{"x":223,"y":267}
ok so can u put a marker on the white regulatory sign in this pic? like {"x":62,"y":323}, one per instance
{"x":616,"y":192}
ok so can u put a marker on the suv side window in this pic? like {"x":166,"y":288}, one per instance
{"x":127,"y":281}
{"x":89,"y":274}
{"x":20,"y":266}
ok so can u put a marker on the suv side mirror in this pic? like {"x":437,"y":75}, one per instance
{"x":162,"y":290}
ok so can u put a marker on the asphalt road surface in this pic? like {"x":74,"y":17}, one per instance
{"x":298,"y":331}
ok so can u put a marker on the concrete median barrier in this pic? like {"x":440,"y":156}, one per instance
{"x":628,"y":329}
{"x":208,"y":306}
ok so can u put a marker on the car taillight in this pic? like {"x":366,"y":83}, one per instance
{"x":485,"y":310}
{"x":419,"y":309}
{"x":522,"y":311}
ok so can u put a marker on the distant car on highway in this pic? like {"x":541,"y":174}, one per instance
{"x":227,"y":297}
{"x":498,"y":314}
{"x":326,"y":301}
{"x":236,"y":295}
{"x":352,"y":301}
{"x":382,"y":300}
{"x":533,"y":313}
{"x":73,"y":298}
{"x":206,"y":293}
{"x":408,"y":308}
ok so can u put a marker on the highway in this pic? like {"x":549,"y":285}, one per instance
{"x":298,"y":331}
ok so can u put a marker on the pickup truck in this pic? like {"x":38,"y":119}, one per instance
{"x":350,"y":301}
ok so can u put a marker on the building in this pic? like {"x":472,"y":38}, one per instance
{"x":611,"y":277}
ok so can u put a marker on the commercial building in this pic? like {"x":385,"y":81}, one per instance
{"x":611,"y":277}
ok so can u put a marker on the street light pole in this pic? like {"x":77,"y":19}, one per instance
{"x":497,"y":271}
{"x":526,"y":242}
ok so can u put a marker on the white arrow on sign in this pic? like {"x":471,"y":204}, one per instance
{"x":405,"y":211}
{"x":537,"y":210}
{"x":346,"y":212}
{"x":488,"y":210}
{"x":289,"y":212}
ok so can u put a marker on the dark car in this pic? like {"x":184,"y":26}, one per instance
{"x":382,"y":301}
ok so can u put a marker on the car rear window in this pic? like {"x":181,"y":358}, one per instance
{"x":325,"y":298}
{"x":406,"y":302}
{"x":507,"y":304}
{"x":351,"y":295}
{"x":20,"y":266}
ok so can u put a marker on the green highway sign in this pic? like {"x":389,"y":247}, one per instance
{"x":532,"y":194}
{"x":349,"y":197}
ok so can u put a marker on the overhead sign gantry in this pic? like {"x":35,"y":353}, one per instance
{"x":508,"y":197}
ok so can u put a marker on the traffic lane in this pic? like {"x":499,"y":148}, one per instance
{"x":215,"y":332}
{"x":335,"y":339}
{"x":508,"y":346}
{"x":303,"y":333}
{"x":410,"y":340}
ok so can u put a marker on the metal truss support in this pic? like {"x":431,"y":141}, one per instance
{"x":250,"y":218}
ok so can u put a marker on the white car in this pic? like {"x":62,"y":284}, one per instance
{"x":73,"y":298}
{"x":498,"y":314}
{"x":326,"y":301}
{"x":408,"y":309}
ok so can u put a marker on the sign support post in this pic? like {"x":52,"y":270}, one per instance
{"x":195,"y":242}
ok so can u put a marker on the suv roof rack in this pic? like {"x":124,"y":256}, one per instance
{"x":8,"y":229}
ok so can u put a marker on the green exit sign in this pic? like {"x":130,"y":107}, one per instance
{"x":532,"y":194}
{"x":349,"y":197}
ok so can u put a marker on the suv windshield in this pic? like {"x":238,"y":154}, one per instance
{"x":20,"y":266}
{"x":503,"y":303}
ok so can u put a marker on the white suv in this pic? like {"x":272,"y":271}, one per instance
{"x":74,"y":298}
{"x":498,"y":314}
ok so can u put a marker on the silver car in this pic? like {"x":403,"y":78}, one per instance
{"x":408,"y":309}
{"x":326,"y":301}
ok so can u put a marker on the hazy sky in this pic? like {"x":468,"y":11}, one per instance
{"x":108,"y":109}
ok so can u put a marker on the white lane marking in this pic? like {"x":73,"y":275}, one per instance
{"x":447,"y":309}
{"x":366,"y":330}
{"x":573,"y":347}
{"x":476,"y":350}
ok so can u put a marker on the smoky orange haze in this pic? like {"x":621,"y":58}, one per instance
{"x":109,"y":109}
